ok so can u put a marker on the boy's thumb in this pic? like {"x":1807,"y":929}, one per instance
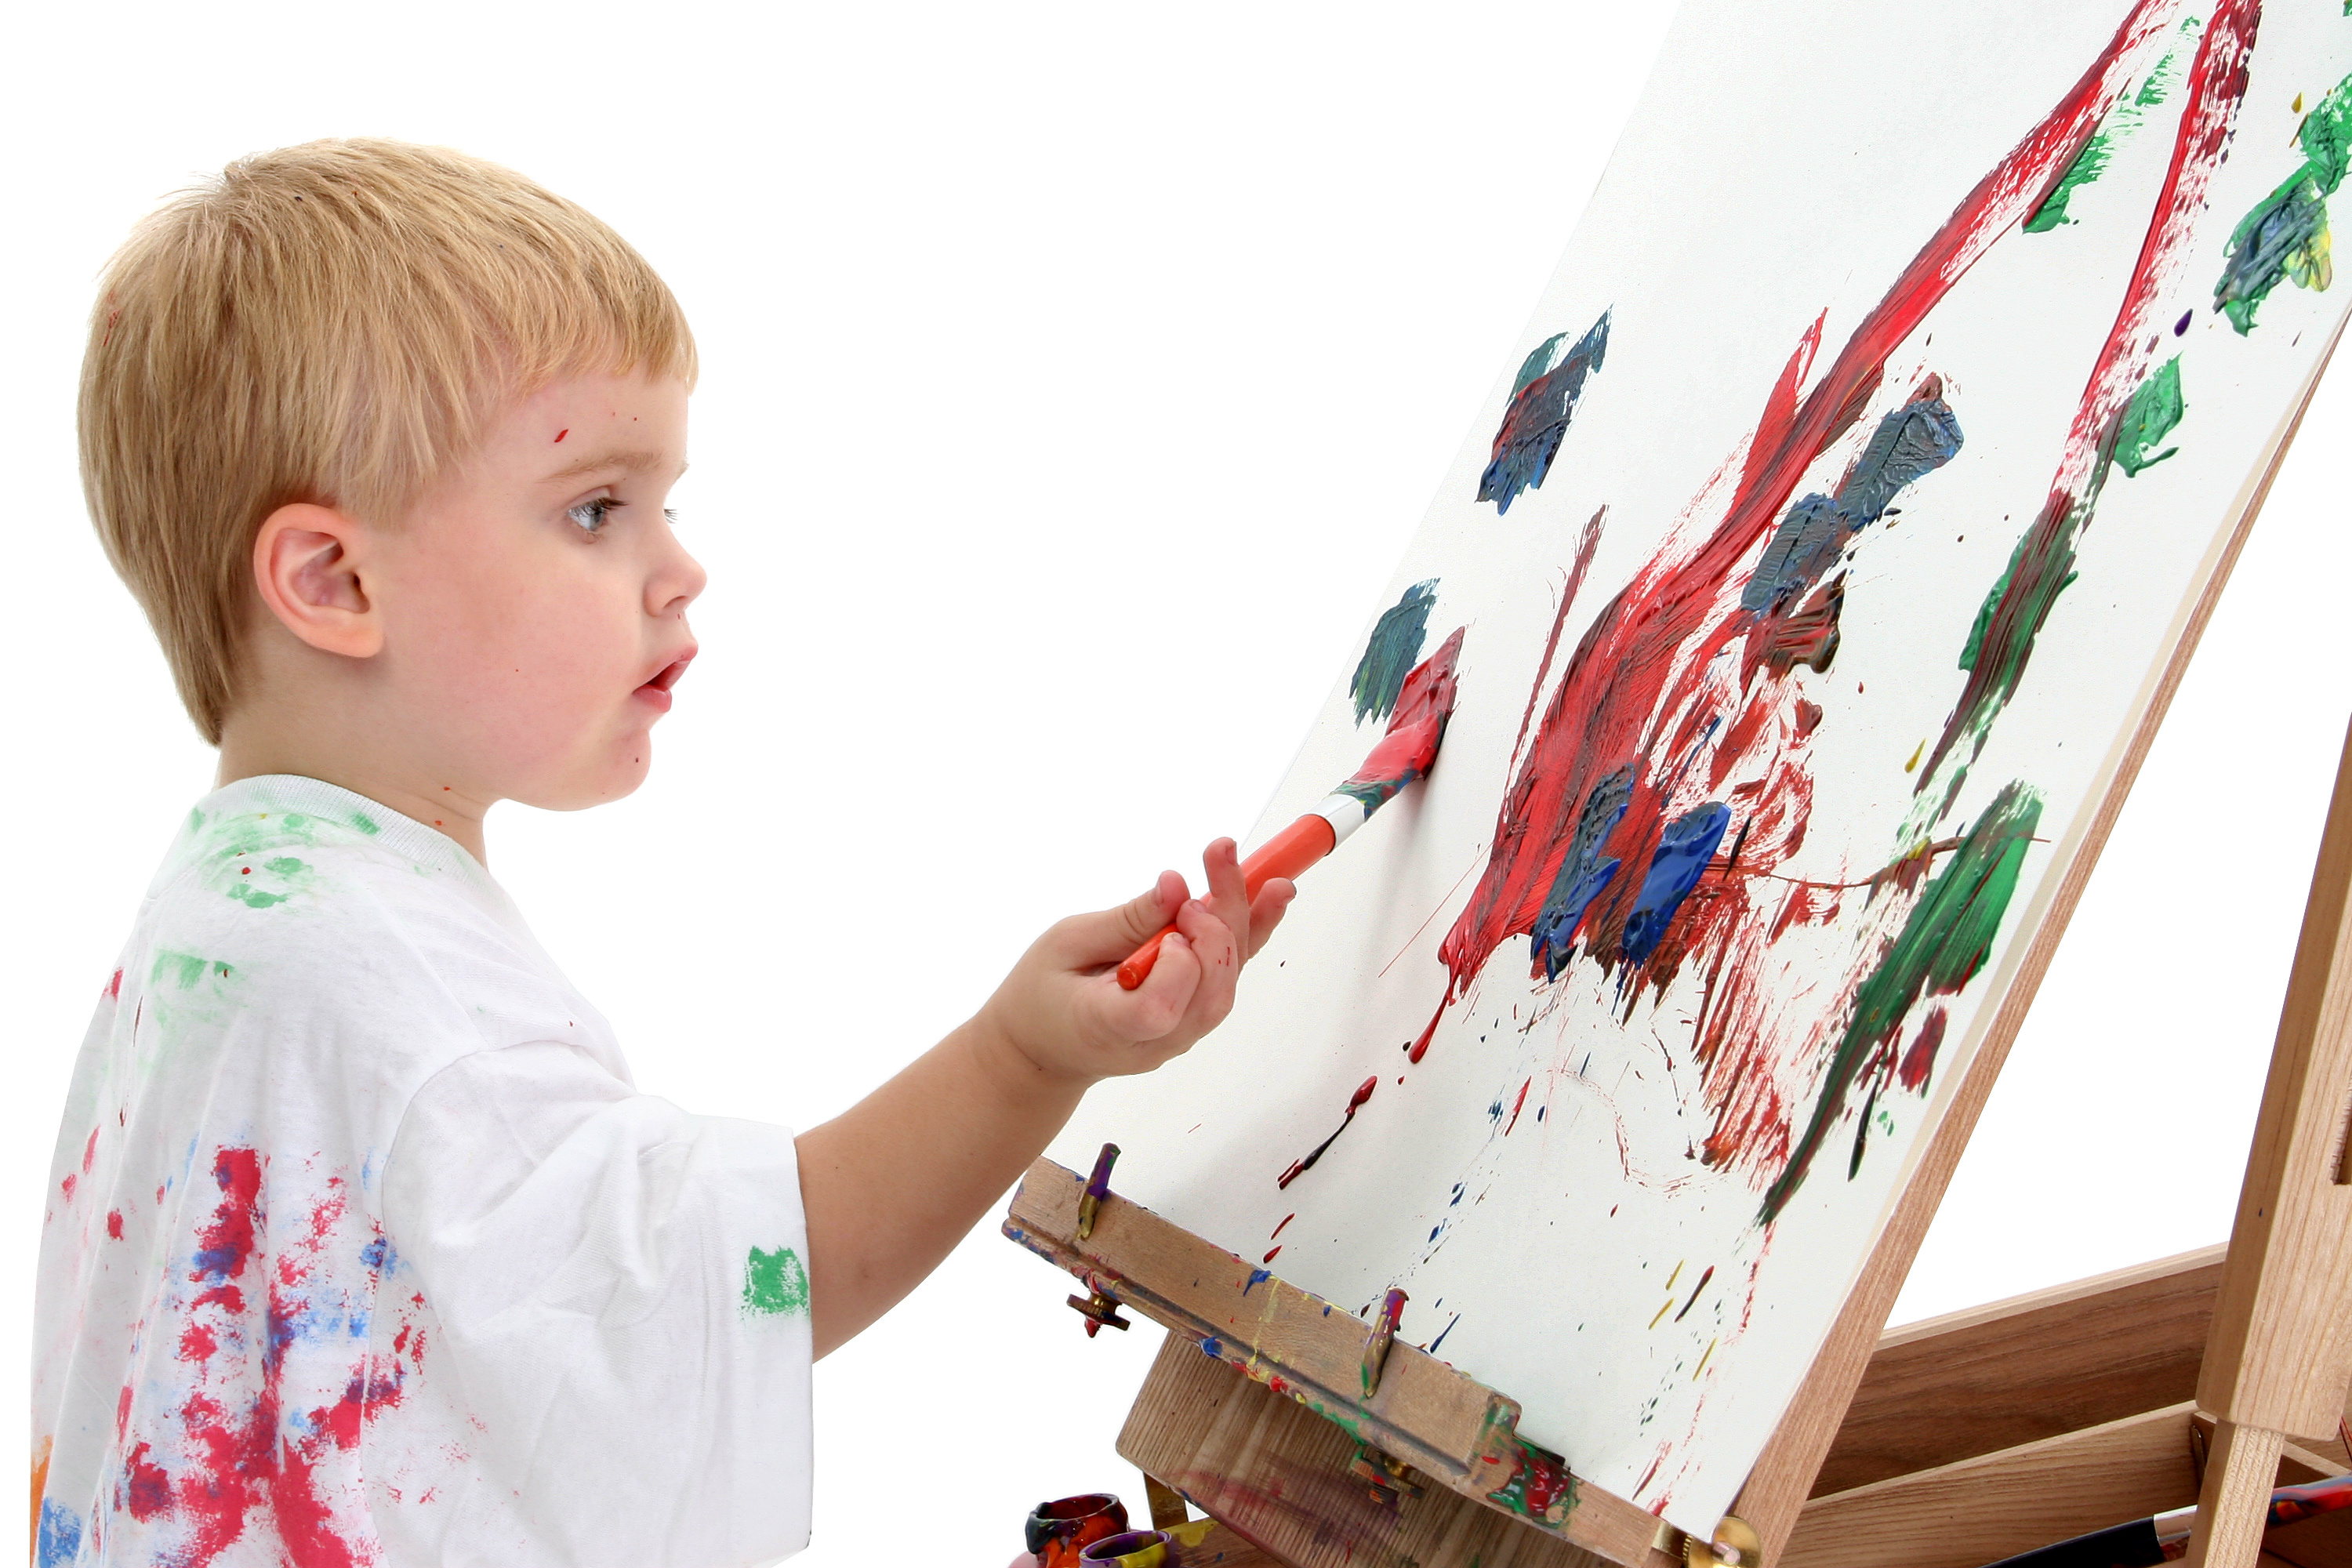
{"x":1136,"y":920}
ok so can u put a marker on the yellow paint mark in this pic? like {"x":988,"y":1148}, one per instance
{"x":1702,"y":1360}
{"x":1675,"y":1275}
{"x":2298,"y":103}
{"x":1662,"y":1311}
{"x":1917,"y":752}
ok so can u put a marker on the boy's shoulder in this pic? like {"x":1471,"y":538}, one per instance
{"x":288,"y":897}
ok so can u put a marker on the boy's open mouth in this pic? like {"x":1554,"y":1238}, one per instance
{"x":657,"y":690}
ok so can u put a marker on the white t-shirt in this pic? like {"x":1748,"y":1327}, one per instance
{"x":361,"y":1247}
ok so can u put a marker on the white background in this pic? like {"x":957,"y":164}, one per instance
{"x":1074,"y":375}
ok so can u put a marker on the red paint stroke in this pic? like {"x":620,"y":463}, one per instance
{"x":1694,"y":1295}
{"x":1271,"y":1253}
{"x":114,"y":1224}
{"x":90,"y":1151}
{"x":1416,"y":728}
{"x":1587,"y":543}
{"x":1919,"y":1061}
{"x":114,"y":987}
{"x":2217,"y":83}
{"x":1645,"y":692}
{"x":1286,"y":1221}
{"x":1355,"y":1103}
{"x":1517,"y":1106}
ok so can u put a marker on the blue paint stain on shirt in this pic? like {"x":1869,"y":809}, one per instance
{"x":60,"y":1539}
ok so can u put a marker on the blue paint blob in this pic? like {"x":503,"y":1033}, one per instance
{"x":1390,"y":652}
{"x":1213,"y":1346}
{"x":1583,"y":875}
{"x":1914,"y":439}
{"x":1535,"y":419}
{"x":1257,"y":1277}
{"x":1684,"y":850}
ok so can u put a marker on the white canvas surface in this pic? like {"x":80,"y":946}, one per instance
{"x":1572,"y":1192}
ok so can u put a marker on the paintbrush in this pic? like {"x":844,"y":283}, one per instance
{"x":2146,"y":1542}
{"x":1416,"y":728}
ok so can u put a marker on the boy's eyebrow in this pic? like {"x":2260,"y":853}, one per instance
{"x":589,"y":463}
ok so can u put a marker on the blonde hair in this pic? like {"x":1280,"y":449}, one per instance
{"x":335,"y":323}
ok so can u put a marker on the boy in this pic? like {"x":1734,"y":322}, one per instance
{"x":361,"y":1247}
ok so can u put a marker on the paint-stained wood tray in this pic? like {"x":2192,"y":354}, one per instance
{"x":1450,"y":1429}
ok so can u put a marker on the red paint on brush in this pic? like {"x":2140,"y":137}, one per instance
{"x":1645,"y":683}
{"x":1416,"y":728}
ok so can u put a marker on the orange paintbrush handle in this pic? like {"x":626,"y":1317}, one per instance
{"x":1286,"y":854}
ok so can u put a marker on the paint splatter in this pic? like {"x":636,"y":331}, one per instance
{"x":1683,"y":854}
{"x":774,"y":1283}
{"x":1647,"y":722}
{"x":2285,"y":236}
{"x":1355,"y":1103}
{"x":1390,"y":652}
{"x":1535,"y":421}
{"x":1946,"y":938}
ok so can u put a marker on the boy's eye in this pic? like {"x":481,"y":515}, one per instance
{"x":591,"y":515}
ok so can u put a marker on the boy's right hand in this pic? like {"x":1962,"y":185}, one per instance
{"x":1063,"y":1012}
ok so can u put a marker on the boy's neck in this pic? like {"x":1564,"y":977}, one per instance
{"x":246,"y":754}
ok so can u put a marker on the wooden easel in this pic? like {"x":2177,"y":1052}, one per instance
{"x":2204,"y":1379}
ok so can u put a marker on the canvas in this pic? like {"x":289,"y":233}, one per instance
{"x":1813,"y":563}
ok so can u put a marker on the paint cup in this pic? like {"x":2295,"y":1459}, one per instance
{"x":1060,"y":1530}
{"x":1135,"y":1548}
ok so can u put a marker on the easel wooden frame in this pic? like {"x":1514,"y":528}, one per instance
{"x":2208,"y":1378}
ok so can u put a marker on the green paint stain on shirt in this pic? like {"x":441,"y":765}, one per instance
{"x":183,"y":970}
{"x":366,"y":824}
{"x":283,"y":865}
{"x":246,"y":893}
{"x":774,"y":1283}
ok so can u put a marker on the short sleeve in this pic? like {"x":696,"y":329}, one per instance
{"x":622,"y":1308}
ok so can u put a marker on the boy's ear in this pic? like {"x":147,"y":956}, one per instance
{"x":309,"y":562}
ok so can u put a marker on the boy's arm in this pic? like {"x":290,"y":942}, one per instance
{"x":891,"y":1186}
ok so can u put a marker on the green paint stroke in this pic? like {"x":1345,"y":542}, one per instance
{"x":774,"y":1283}
{"x":2154,"y":410}
{"x":1390,"y":652}
{"x":2285,"y":236}
{"x":1944,"y":941}
{"x":2121,"y":123}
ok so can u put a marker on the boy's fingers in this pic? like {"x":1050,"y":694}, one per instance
{"x":1273,"y":901}
{"x":1214,"y":942}
{"x":1109,"y":936}
{"x":1156,"y":1006}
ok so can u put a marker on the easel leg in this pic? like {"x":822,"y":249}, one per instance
{"x":1167,"y":1504}
{"x":2233,"y":1502}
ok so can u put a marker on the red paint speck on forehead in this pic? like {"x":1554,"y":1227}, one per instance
{"x":559,"y":435}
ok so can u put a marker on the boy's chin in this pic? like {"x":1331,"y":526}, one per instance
{"x":615,"y":778}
